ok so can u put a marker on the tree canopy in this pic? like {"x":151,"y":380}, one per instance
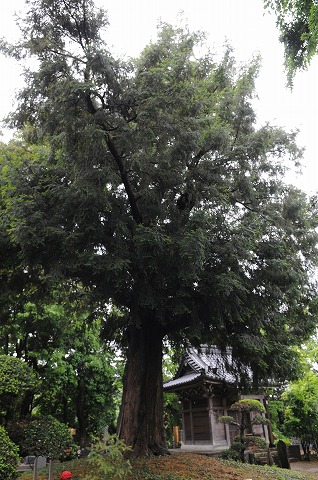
{"x":150,"y":186}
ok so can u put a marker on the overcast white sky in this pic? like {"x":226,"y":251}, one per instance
{"x":248,"y":28}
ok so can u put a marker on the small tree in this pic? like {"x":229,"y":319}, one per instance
{"x":47,"y":437}
{"x":244,"y":408}
{"x":9,"y":457}
{"x":107,"y":462}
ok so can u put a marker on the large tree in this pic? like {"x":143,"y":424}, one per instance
{"x":153,"y":187}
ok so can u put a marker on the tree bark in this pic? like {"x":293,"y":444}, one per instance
{"x":140,"y":423}
{"x":81,"y":416}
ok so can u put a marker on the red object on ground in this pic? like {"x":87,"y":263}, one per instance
{"x":66,"y":474}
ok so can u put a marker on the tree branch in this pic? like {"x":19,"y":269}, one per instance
{"x":124,"y":176}
{"x":119,"y":159}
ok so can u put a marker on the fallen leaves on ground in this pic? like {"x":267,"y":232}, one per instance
{"x":187,"y":466}
{"x":182,"y":466}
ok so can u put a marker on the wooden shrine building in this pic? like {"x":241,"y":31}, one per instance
{"x":207,"y":382}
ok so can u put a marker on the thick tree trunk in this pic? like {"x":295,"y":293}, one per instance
{"x":140,"y":422}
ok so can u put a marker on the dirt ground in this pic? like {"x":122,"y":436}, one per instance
{"x":308,"y":467}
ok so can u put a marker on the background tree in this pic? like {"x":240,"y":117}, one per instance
{"x":68,"y":356}
{"x":79,"y":382}
{"x":42,"y":324}
{"x":21,"y":284}
{"x":162,"y":198}
{"x":301,"y":411}
{"x":292,"y":407}
{"x":276,"y":415}
{"x":172,"y":403}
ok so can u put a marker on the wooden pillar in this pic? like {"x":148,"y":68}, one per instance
{"x":227,"y":427}
{"x":211,"y":418}
{"x":191,"y":423}
{"x":176,"y":436}
{"x":183,"y":426}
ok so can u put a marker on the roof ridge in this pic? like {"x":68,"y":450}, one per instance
{"x":196,"y":361}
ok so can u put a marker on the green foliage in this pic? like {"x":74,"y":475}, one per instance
{"x":9,"y":457}
{"x":106,"y":460}
{"x":244,"y":408}
{"x":172,"y":414}
{"x":46,"y":437}
{"x":80,"y":374}
{"x":171,"y":401}
{"x":16,"y":380}
{"x":248,"y":405}
{"x":297,"y":21}
{"x":218,"y":225}
{"x":16,"y":376}
{"x":62,"y":341}
{"x":226,"y":419}
{"x":240,"y":444}
{"x":276,"y":413}
{"x":301,"y":410}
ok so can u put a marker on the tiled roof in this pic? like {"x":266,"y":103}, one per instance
{"x":185,"y":379}
{"x":207,"y":362}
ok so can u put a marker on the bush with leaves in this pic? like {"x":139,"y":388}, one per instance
{"x":9,"y":457}
{"x":17,"y":379}
{"x":107,"y":460}
{"x":241,"y":444}
{"x":46,"y":437}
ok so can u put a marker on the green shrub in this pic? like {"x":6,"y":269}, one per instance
{"x":107,"y":461}
{"x":240,"y":445}
{"x":15,"y":430}
{"x":9,"y":457}
{"x":46,"y":436}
